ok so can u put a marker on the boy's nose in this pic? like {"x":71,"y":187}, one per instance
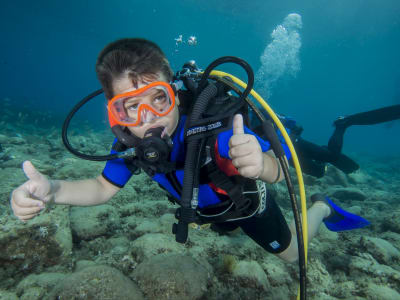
{"x":147,"y":116}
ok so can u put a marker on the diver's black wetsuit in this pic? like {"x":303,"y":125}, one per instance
{"x":371,"y":117}
{"x":313,"y":157}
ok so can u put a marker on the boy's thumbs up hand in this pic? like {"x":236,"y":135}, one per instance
{"x":29,"y":199}
{"x":245,"y":151}
{"x":238,"y":126}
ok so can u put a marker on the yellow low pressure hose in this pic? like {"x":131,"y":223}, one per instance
{"x":291,"y":148}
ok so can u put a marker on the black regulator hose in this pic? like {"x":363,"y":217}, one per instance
{"x":186,"y":212}
{"x":299,"y":230}
{"x":230,"y":59}
{"x":272,"y":137}
{"x":64,"y":132}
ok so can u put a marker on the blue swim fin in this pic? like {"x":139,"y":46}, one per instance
{"x":339,"y":219}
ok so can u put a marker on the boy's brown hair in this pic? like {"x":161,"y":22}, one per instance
{"x":137,"y":58}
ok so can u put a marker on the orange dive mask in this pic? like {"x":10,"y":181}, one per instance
{"x":133,"y":108}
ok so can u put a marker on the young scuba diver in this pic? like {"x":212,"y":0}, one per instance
{"x":144,"y":112}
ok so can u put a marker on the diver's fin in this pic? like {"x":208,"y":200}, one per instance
{"x":339,"y":219}
{"x":345,"y":164}
{"x":335,"y":142}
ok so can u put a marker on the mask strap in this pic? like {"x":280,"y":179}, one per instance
{"x":176,"y":86}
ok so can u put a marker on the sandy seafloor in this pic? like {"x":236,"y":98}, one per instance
{"x":125,"y":249}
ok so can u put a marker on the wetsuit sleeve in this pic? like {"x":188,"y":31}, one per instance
{"x":116,"y":172}
{"x":223,"y":143}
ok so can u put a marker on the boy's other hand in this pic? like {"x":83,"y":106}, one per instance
{"x":245,"y":151}
{"x":28,"y":199}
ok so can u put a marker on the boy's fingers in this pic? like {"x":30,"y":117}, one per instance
{"x":244,"y":161}
{"x":21,"y":198}
{"x":237,"y":140}
{"x":238,"y":127}
{"x":247,"y":171}
{"x":27,"y":211}
{"x":239,"y":151}
{"x":31,"y":172}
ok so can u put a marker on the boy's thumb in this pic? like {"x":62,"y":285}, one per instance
{"x":238,"y":127}
{"x":31,"y":172}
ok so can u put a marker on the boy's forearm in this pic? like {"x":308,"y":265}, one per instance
{"x":81,"y":192}
{"x":272,"y":169}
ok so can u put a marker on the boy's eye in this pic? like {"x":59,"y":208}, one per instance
{"x":133,"y":106}
{"x":159,"y":98}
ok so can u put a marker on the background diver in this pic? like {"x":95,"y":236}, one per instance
{"x":372,"y":117}
{"x":136,"y":78}
{"x":313,"y":157}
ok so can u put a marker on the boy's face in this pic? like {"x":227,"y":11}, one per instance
{"x":169,"y":121}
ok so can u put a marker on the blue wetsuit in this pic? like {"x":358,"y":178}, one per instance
{"x":117,"y":173}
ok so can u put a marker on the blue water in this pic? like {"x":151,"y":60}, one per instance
{"x":349,"y":54}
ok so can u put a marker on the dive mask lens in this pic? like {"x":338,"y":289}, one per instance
{"x":155,"y":99}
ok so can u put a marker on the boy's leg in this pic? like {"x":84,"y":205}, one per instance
{"x":315,"y":215}
{"x":268,"y":228}
{"x":224,"y":228}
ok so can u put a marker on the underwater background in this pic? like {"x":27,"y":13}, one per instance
{"x":347,"y":54}
{"x":314,"y":60}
